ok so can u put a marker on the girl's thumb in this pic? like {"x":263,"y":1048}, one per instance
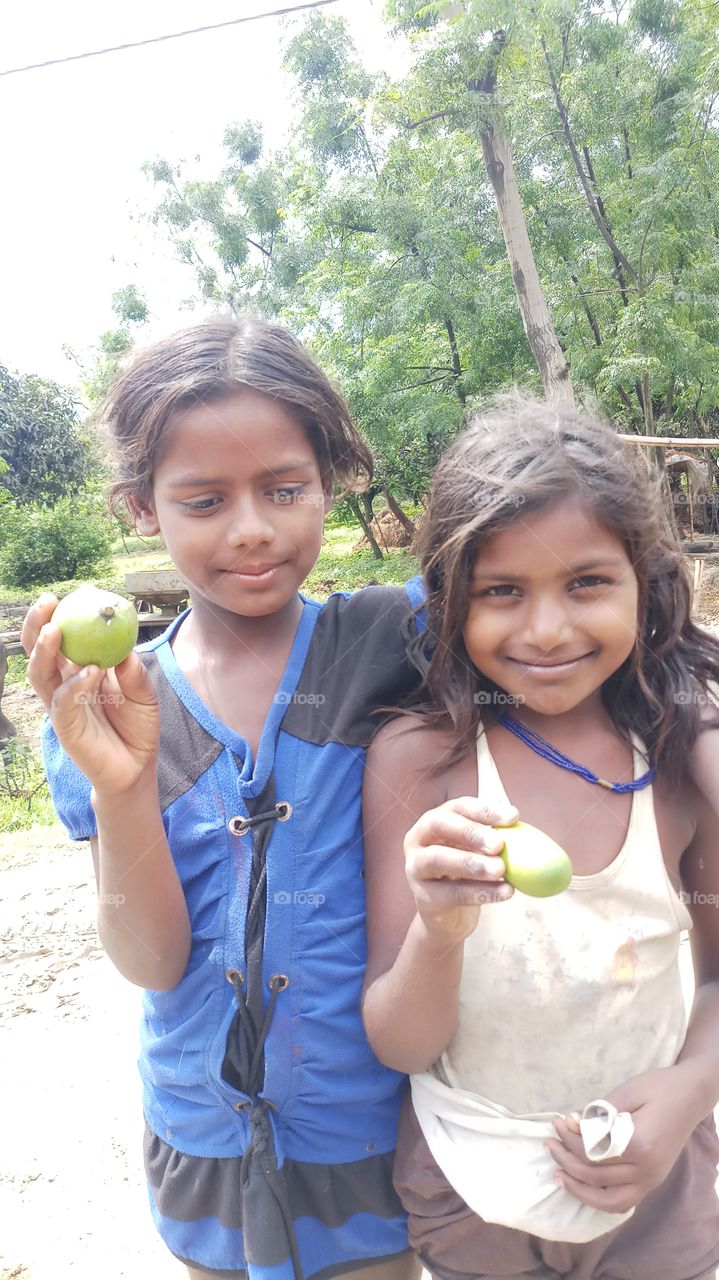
{"x":134,"y":681}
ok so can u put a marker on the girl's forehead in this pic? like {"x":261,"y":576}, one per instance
{"x":242,"y":421}
{"x":561,"y":531}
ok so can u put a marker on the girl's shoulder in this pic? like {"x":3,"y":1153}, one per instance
{"x":414,"y":752}
{"x":702,"y":772}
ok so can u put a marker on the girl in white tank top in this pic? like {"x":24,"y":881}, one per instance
{"x":555,"y":1082}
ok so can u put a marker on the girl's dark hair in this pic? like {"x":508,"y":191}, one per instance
{"x":522,"y":456}
{"x":215,"y":359}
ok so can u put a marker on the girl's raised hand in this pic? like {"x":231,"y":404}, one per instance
{"x":108,"y":722}
{"x":453,"y":867}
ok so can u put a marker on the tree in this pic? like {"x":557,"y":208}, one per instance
{"x":612,"y":108}
{"x":47,"y":452}
{"x":115,"y":345}
{"x":375,"y":233}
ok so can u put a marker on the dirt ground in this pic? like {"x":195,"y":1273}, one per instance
{"x":72,"y":1196}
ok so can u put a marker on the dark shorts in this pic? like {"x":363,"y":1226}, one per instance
{"x":672,"y":1235}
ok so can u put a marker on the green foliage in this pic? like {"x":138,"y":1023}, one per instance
{"x":24,"y":793}
{"x":116,"y":345}
{"x":375,"y":236}
{"x":340,"y":568}
{"x":129,"y":305}
{"x":45,"y":450}
{"x":40,"y":545}
{"x":16,"y":670}
{"x":21,"y":775}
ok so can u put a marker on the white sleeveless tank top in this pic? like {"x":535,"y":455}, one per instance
{"x":563,"y":999}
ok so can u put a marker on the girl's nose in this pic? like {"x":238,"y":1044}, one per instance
{"x":548,"y":625}
{"x":249,"y":525}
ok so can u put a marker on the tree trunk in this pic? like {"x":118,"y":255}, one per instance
{"x":533,"y":308}
{"x":456,"y":363}
{"x":356,"y":507}
{"x":399,"y":514}
{"x":7,"y":728}
{"x":649,"y":427}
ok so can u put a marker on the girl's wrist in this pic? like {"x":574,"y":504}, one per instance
{"x":439,"y":947}
{"x":127,"y":801}
{"x":699,"y":1084}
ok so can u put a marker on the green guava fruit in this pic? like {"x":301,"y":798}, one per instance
{"x":98,"y":627}
{"x":534,"y":863}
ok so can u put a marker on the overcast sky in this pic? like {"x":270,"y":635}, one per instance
{"x":75,"y":137}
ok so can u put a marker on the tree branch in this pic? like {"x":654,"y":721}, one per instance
{"x":456,"y":362}
{"x":436,"y":115}
{"x":594,"y":209}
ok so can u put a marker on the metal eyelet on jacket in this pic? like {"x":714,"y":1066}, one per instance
{"x":240,"y":825}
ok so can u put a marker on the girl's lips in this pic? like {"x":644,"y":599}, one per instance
{"x":253,"y":576}
{"x":545,"y":669}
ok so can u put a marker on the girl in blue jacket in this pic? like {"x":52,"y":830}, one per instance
{"x":217,"y":774}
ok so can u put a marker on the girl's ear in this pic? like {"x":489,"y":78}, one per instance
{"x":144,"y":516}
{"x":327,"y":489}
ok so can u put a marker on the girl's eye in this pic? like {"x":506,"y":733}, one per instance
{"x":284,"y":496}
{"x":503,"y":590}
{"x":202,"y":504}
{"x":590,"y":581}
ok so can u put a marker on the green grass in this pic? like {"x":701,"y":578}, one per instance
{"x":19,"y":815}
{"x":134,"y":544}
{"x":24,"y":795}
{"x":16,"y":672}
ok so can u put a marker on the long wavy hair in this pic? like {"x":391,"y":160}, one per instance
{"x":207,"y":362}
{"x":520,"y":457}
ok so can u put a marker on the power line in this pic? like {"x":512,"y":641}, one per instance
{"x":172,"y":35}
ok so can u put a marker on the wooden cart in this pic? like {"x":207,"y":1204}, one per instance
{"x":158,"y":595}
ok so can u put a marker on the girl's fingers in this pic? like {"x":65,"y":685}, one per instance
{"x":438,"y":862}
{"x":615,"y":1173}
{"x":609,"y":1199}
{"x":43,"y":669}
{"x":130,"y":678}
{"x":69,"y":702}
{"x":37,"y":615}
{"x":477,"y":810}
{"x":442,"y":895}
{"x":462,"y":824}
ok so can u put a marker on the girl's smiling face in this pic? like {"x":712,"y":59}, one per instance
{"x":553,"y":608}
{"x":238,"y":497}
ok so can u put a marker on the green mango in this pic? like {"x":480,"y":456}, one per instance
{"x":98,"y":627}
{"x":534,"y":863}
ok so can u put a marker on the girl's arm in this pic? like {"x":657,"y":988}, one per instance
{"x":700,"y":880}
{"x":142,"y":918}
{"x":428,"y":866}
{"x":108,"y":723}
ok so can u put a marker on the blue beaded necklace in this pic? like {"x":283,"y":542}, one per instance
{"x":548,"y":752}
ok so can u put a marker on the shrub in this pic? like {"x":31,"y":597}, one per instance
{"x":40,"y":545}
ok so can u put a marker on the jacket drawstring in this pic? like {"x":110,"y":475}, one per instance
{"x":244,"y":1066}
